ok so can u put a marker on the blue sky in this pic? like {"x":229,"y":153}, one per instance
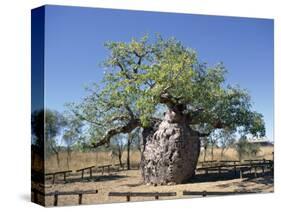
{"x":75,"y":37}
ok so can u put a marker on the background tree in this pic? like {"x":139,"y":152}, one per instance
{"x":205,"y":144}
{"x":254,"y":149}
{"x":212,"y":141}
{"x":54,"y":123}
{"x":244,"y":148}
{"x":133,"y":139}
{"x":226,"y":139}
{"x":37,"y":127}
{"x":71,"y":135}
{"x":144,"y":77}
{"x":46,"y":126}
{"x":118,"y":147}
{"x":37,"y":145}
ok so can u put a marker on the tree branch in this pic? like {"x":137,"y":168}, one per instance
{"x":83,"y":118}
{"x":105,"y":140}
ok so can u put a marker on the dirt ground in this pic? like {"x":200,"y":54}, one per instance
{"x":131,"y":181}
{"x":125,"y":181}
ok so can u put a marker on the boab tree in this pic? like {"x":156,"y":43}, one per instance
{"x":142,"y":78}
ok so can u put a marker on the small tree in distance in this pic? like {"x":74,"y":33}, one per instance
{"x":71,"y":135}
{"x":244,"y":148}
{"x":117,"y":147}
{"x":226,"y":139}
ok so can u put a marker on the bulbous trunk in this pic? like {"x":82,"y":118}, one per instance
{"x":170,"y":154}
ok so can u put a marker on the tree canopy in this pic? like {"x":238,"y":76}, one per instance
{"x":143,"y":77}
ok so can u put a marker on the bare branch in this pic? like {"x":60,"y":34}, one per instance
{"x":105,"y":140}
{"x":83,"y":118}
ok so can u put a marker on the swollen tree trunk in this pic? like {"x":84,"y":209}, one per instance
{"x":170,"y":154}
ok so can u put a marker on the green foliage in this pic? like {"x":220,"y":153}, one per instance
{"x":46,"y":126}
{"x":142,"y":75}
{"x":54,"y":123}
{"x":244,"y":148}
{"x":37,"y":127}
{"x":72,"y":132}
{"x":226,"y":138}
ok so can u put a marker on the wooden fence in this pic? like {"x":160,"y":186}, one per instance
{"x":56,"y":194}
{"x":54,"y":174}
{"x":128,"y":195}
{"x":214,"y":193}
{"x":103,"y":168}
{"x":207,"y":166}
{"x":241,"y":168}
{"x":90,"y":168}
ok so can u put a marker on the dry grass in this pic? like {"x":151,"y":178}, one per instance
{"x":84,"y":159}
{"x":230,"y":154}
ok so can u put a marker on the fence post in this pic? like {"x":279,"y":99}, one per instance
{"x":56,"y":198}
{"x":128,"y":197}
{"x":157,"y":196}
{"x":204,"y":194}
{"x":255,"y":172}
{"x":91,"y":172}
{"x":54,"y":176}
{"x":80,"y":198}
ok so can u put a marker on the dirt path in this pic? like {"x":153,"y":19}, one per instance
{"x":131,"y":181}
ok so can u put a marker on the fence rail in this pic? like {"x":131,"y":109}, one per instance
{"x":56,"y":194}
{"x":242,"y":168}
{"x":214,"y":193}
{"x":54,"y":174}
{"x":90,"y":168}
{"x":105,"y":166}
{"x":128,"y":195}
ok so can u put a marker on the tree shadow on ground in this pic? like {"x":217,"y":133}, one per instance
{"x":265,"y":182}
{"x":99,"y":178}
{"x":213,"y":177}
{"x":132,"y":185}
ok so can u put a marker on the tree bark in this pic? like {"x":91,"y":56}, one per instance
{"x":170,"y":154}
